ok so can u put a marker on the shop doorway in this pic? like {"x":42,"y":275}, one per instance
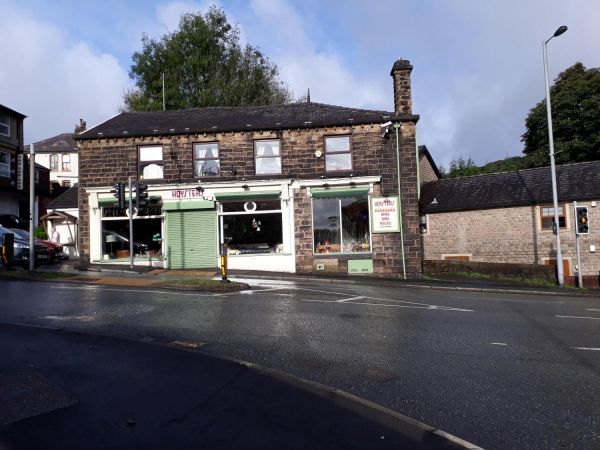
{"x":192,"y":239}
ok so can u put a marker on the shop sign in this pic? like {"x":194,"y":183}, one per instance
{"x":385,"y":214}
{"x":178,"y":194}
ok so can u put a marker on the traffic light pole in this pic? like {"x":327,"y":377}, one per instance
{"x":579,"y":274}
{"x":130,"y":224}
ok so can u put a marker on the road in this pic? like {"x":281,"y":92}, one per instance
{"x":501,"y":371}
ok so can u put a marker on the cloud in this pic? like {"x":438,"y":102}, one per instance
{"x":53,"y":81}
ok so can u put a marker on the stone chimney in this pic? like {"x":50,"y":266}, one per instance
{"x":81,"y":127}
{"x":402,"y":93}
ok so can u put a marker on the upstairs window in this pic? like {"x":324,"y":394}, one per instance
{"x":151,"y":164}
{"x":4,"y":124}
{"x":206,"y":160}
{"x":338,"y":153}
{"x":547,"y":213}
{"x":53,"y":162}
{"x":4,"y":165}
{"x":267,"y":157}
{"x":66,"y":166}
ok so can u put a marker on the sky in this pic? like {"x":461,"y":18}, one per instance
{"x":478,"y":65}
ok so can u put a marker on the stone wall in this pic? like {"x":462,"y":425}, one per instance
{"x":426,"y":172}
{"x":510,"y":235}
{"x":494,"y":270}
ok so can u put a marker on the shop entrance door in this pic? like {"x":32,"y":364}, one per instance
{"x":192,"y":239}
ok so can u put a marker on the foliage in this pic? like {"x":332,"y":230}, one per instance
{"x":40,"y":233}
{"x":461,"y":168}
{"x":204,"y":66}
{"x":575,"y":99}
{"x":505,"y":165}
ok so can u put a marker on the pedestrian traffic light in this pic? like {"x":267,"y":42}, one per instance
{"x":581,"y":214}
{"x":118,"y":192}
{"x":140,"y":195}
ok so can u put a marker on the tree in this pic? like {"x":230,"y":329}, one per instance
{"x":575,"y":99}
{"x":461,"y":168}
{"x":204,"y":66}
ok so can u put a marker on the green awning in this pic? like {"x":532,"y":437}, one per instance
{"x":108,"y":202}
{"x":246,"y":195}
{"x":359,"y":191}
{"x":187,"y":206}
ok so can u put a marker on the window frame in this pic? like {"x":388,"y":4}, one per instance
{"x":280,"y":156}
{"x":67,"y":155}
{"x":7,"y":125}
{"x":161,"y":161}
{"x":312,"y":225}
{"x":37,"y":177}
{"x":563,"y":215}
{"x":350,"y":151}
{"x":8,"y":171}
{"x":57,"y":164}
{"x":194,"y":159}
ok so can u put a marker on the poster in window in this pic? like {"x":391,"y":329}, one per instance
{"x":385,"y":214}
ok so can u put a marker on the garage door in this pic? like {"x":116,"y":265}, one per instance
{"x":191,"y":239}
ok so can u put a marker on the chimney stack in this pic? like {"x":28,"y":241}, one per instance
{"x":402,"y":93}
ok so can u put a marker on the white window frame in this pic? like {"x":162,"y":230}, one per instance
{"x":7,"y":165}
{"x":5,"y":124}
{"x":158,"y":162}
{"x":68,"y":161}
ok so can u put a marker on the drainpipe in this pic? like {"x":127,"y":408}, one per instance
{"x":418,"y":170}
{"x":397,"y":127}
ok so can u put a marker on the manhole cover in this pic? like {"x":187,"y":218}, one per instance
{"x":310,"y":363}
{"x":350,"y":316}
{"x":380,"y":377}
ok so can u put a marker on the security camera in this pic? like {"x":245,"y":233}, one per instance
{"x":385,"y":125}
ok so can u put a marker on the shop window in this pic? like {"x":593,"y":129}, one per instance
{"x":66,"y":183}
{"x":206,"y":160}
{"x":151,"y":163}
{"x":267,"y":157}
{"x":547,"y":214}
{"x":4,"y":164}
{"x":338,"y":153}
{"x":53,"y":162}
{"x":147,"y":239}
{"x":66,"y":163}
{"x":252,"y":227}
{"x":341,"y":225}
{"x":457,"y":258}
{"x":4,"y":124}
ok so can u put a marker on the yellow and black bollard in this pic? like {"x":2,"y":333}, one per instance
{"x":224,"y":263}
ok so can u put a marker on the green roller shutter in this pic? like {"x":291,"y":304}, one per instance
{"x":191,"y":239}
{"x":340,"y":192}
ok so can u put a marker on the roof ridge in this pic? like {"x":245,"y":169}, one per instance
{"x":47,"y":139}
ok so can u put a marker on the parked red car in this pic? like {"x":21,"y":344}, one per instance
{"x":56,"y":250}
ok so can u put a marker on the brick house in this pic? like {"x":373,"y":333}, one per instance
{"x":507,"y":217}
{"x":11,"y":146}
{"x":298,"y":188}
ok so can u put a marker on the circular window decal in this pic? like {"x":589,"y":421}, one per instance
{"x":250,"y":206}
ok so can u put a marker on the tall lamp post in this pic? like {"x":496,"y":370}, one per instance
{"x":559,"y":259}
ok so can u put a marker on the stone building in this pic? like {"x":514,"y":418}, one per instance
{"x":11,"y":150}
{"x":507,"y":217}
{"x":304,"y":187}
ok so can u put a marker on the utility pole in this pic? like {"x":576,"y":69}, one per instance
{"x":130,"y":225}
{"x":32,"y":207}
{"x":163,"y":77}
{"x":579,"y":274}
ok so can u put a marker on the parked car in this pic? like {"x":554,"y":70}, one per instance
{"x":56,"y":250}
{"x":122,"y":243}
{"x":12,"y":221}
{"x":22,"y":253}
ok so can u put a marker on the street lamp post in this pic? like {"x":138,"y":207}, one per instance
{"x":559,"y":259}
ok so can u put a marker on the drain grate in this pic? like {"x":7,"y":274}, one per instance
{"x":380,"y":377}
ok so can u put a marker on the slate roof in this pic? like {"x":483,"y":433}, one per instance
{"x":519,"y":188}
{"x":12,"y":111}
{"x":63,"y":143}
{"x":202,"y":120}
{"x":68,"y":199}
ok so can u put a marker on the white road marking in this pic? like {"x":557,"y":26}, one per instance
{"x":422,"y":306}
{"x":505,"y":300}
{"x":249,"y":291}
{"x":497,"y":343}
{"x":580,"y":317}
{"x":591,"y":309}
{"x":344,"y":300}
{"x":587,"y":348}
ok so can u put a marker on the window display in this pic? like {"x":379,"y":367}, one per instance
{"x":147,"y":239}
{"x":341,"y":225}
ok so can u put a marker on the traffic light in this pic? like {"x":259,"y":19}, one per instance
{"x":118,"y":192}
{"x":581,"y":214}
{"x":140,"y":195}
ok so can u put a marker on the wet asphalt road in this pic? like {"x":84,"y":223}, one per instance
{"x":501,"y":371}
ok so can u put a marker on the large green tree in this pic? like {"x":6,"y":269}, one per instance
{"x":575,"y":101}
{"x":204,"y":65}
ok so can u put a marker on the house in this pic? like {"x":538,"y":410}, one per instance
{"x":507,"y":217}
{"x":59,"y":154}
{"x":63,"y":214}
{"x":43,"y":195}
{"x":303,"y":187}
{"x":11,"y":147}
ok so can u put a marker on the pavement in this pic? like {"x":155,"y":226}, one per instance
{"x":71,"y":390}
